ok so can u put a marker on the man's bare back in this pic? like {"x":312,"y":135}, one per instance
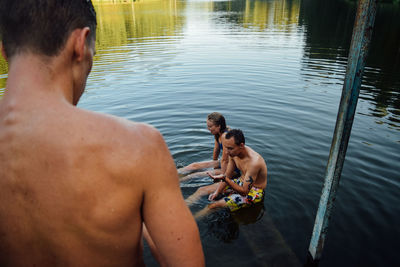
{"x":77,"y":186}
{"x":64,"y":187}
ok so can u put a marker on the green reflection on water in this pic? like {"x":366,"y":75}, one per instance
{"x":261,"y":14}
{"x":330,"y":24}
{"x":3,"y":73}
{"x":121,"y":24}
{"x":3,"y":66}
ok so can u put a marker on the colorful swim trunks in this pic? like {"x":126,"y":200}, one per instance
{"x":236,"y":201}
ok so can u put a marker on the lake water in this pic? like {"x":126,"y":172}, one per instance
{"x":275,"y":69}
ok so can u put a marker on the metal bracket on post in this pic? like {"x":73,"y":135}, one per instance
{"x":362,"y":33}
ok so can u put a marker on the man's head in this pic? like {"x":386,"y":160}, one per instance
{"x":42,"y":26}
{"x":234,"y":142}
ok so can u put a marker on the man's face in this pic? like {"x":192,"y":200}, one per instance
{"x":232,"y":148}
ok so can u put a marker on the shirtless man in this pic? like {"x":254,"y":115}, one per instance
{"x":76,"y":186}
{"x":242,"y":192}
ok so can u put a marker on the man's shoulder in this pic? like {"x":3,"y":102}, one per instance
{"x":105,"y":123}
{"x":122,"y":136}
{"x":256,"y":159}
{"x":125,"y":146}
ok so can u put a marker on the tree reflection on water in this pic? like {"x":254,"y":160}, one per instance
{"x":327,"y":27}
{"x":330,"y":24}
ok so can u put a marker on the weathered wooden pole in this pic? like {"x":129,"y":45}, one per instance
{"x":362,"y":33}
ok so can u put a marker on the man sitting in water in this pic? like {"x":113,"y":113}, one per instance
{"x":244,"y":191}
{"x":76,"y":187}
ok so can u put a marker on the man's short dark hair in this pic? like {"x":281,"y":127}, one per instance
{"x":237,"y":135}
{"x":43,"y":26}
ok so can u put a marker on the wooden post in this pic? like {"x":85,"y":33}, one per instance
{"x":362,"y":33}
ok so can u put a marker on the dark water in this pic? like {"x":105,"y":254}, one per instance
{"x":275,"y":69}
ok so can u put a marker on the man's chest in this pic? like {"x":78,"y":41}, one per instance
{"x":242,"y":165}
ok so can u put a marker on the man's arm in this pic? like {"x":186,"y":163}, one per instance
{"x":219,"y":189}
{"x":168,"y":220}
{"x":228,"y":174}
{"x":230,"y":169}
{"x":249,"y":179}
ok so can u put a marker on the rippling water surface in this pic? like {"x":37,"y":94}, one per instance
{"x":275,"y":69}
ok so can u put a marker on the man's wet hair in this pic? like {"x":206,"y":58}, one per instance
{"x":43,"y":26}
{"x":237,"y":135}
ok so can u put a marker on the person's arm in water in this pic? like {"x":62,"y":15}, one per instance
{"x":225,"y":157}
{"x":168,"y":220}
{"x":224,"y":177}
{"x":249,"y":179}
{"x":216,"y":150}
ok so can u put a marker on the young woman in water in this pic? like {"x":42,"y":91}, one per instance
{"x":217,"y":126}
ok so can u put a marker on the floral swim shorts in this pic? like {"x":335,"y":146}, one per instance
{"x":236,"y":201}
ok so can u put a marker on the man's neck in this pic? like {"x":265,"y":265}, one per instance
{"x":35,"y":77}
{"x":243,"y":154}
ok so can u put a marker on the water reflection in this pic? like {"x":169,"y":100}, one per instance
{"x":222,"y":226}
{"x":126,"y":32}
{"x":124,"y":28}
{"x":121,"y":24}
{"x":329,"y":26}
{"x":275,"y":68}
{"x":326,"y":26}
{"x":3,"y":75}
{"x":259,"y":15}
{"x":225,"y":226}
{"x":383,"y":80}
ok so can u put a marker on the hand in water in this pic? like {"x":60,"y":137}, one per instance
{"x":216,"y":177}
{"x":212,"y":196}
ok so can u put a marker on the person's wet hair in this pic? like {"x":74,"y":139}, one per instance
{"x":237,"y":135}
{"x":218,"y":120}
{"x":43,"y":26}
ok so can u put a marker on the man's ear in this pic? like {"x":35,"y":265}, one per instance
{"x":241,"y":145}
{"x":3,"y":52}
{"x":80,"y":42}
